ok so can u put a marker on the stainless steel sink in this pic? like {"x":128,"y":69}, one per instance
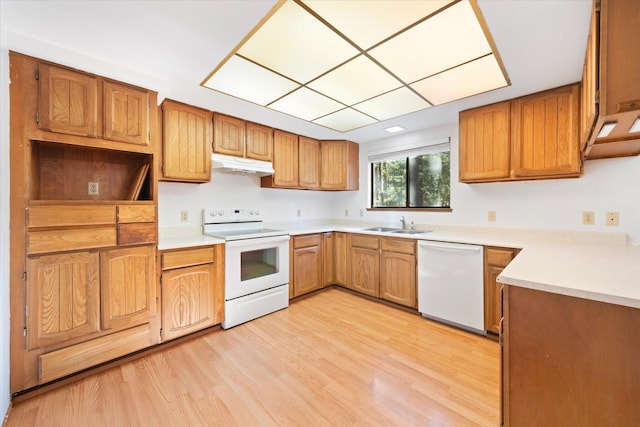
{"x":382,"y":229}
{"x":411,"y":231}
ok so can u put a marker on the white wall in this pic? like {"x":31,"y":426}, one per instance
{"x":607,"y":185}
{"x":4,"y":232}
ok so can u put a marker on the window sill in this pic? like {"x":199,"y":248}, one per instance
{"x":400,"y":209}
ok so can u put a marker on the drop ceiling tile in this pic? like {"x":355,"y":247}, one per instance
{"x":306,"y":104}
{"x":450,"y":38}
{"x":296,"y":44}
{"x":345,"y":120}
{"x":356,"y":18}
{"x":469,"y":79}
{"x":355,"y":81}
{"x":392,"y":104}
{"x":243,"y":79}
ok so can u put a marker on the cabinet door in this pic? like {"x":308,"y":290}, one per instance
{"x":492,"y":311}
{"x":307,"y":270}
{"x":285,"y":159}
{"x":308,"y":162}
{"x":126,"y":113}
{"x":340,"y":258}
{"x":398,"y":278}
{"x":63,"y":298}
{"x":365,"y":270}
{"x":187,"y":300}
{"x":128,"y":286}
{"x":186,"y":142}
{"x":339,"y":165}
{"x":485,"y":146}
{"x":67,"y":101}
{"x":228,"y":135}
{"x":545,"y":133}
{"x":259,"y":142}
{"x":328,"y":247}
{"x":588,"y":100}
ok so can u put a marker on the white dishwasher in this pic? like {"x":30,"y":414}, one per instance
{"x":451,"y":284}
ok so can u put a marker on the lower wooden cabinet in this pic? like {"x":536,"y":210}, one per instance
{"x":192,"y":290}
{"x":495,"y":260}
{"x":307,"y":261}
{"x":365,"y":264}
{"x":328,"y":260}
{"x":340,"y":260}
{"x":398,"y":271}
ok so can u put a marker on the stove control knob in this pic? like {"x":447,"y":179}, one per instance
{"x":252,"y":212}
{"x":212,"y":213}
{"x":221,"y":212}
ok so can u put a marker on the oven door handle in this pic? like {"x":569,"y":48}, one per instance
{"x":257,"y":241}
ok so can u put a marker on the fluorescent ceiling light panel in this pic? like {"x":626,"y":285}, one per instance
{"x":306,"y":104}
{"x":345,"y":120}
{"x":296,"y":44}
{"x":392,"y":104}
{"x":450,"y":38}
{"x":349,"y":63}
{"x":368,"y":22}
{"x":355,"y":81}
{"x":457,"y":84}
{"x":243,"y":79}
{"x":635,"y":127}
{"x":394,"y":129}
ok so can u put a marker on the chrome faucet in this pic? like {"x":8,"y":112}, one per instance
{"x":403,"y":222}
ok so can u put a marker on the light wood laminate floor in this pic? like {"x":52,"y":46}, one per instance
{"x":333,"y":359}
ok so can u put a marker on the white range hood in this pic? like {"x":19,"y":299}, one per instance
{"x":240,"y":166}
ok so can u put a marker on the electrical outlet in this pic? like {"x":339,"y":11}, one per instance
{"x":588,"y":217}
{"x":346,"y":212}
{"x":94,"y":188}
{"x":184,"y":216}
{"x":299,"y":213}
{"x":613,"y":218}
{"x":491,"y":216}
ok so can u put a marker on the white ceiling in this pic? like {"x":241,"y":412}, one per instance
{"x":171,"y":46}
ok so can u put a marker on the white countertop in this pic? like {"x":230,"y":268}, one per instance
{"x":592,"y":265}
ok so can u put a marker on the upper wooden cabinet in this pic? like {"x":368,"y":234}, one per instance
{"x":76,"y":103}
{"x":285,"y":161}
{"x":308,"y":163}
{"x":545,"y":133}
{"x":67,"y":101}
{"x":339,"y":168}
{"x":532,"y":137}
{"x":186,"y":142}
{"x":611,"y":100}
{"x":236,"y":137}
{"x":485,"y":144}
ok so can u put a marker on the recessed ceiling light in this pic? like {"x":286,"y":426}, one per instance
{"x":394,"y":129}
{"x":346,"y":64}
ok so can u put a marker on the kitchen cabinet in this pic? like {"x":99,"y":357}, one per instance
{"x":611,"y":99}
{"x":340,"y":257}
{"x":192,"y":284}
{"x":307,"y":263}
{"x":365,"y":264}
{"x":531,"y":137}
{"x":233,"y":136}
{"x":84,"y":221}
{"x":308,"y":163}
{"x":328,"y":258}
{"x":77,"y":103}
{"x":545,"y":133}
{"x":186,"y":142}
{"x":569,"y":361}
{"x":485,"y":144}
{"x":398,"y":271}
{"x":285,"y":161}
{"x":339,"y":165}
{"x":495,"y":260}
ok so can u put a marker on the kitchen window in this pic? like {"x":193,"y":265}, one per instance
{"x":416,"y":177}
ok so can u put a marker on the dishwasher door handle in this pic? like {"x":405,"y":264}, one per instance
{"x":450,"y":246}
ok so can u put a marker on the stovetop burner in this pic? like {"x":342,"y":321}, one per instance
{"x":236,"y":224}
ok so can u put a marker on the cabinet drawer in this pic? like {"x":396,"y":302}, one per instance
{"x":186,"y":258}
{"x":360,"y":241}
{"x":70,"y":239}
{"x":306,"y":241}
{"x":70,"y":215}
{"x":500,"y":257}
{"x":399,"y":245}
{"x":136,"y":213}
{"x":137,"y":233}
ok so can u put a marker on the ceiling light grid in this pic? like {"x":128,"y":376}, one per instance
{"x":350,"y":63}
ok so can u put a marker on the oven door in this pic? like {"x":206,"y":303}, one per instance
{"x":253,"y":265}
